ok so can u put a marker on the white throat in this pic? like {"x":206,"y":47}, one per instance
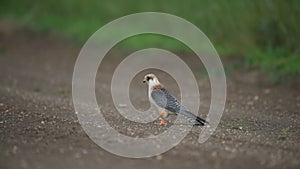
{"x":153,"y":82}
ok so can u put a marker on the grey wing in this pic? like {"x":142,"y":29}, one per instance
{"x":165,"y":100}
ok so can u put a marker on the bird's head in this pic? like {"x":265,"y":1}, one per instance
{"x":151,"y":79}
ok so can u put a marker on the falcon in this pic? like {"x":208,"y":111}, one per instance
{"x":168,"y":104}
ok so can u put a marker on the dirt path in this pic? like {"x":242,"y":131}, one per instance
{"x":39,"y":129}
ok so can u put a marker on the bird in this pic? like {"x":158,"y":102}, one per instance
{"x":167,"y":103}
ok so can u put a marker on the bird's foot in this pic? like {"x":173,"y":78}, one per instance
{"x":163,"y":122}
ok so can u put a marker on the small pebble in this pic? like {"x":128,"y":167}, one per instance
{"x":24,"y":164}
{"x":250,"y":103}
{"x":267,"y":91}
{"x":14,"y":149}
{"x":122,"y":105}
{"x":159,"y":157}
{"x":77,"y":155}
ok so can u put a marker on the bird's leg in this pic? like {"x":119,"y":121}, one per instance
{"x":163,"y":116}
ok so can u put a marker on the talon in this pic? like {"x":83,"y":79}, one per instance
{"x":162,"y":122}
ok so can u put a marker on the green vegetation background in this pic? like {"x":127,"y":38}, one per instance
{"x":265,"y":32}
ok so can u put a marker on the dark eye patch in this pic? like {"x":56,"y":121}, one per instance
{"x":148,"y":78}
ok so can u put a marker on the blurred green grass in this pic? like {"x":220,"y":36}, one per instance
{"x":265,"y":32}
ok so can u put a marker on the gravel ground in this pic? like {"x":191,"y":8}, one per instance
{"x":39,"y":128}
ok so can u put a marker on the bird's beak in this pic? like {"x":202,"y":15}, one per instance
{"x":145,"y":80}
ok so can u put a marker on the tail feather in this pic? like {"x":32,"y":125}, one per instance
{"x":197,"y":121}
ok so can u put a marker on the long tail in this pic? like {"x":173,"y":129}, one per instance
{"x":197,"y":121}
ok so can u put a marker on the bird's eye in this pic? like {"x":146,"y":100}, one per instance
{"x":148,"y":78}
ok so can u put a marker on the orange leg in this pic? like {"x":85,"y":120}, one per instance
{"x":163,"y":116}
{"x":162,"y":122}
